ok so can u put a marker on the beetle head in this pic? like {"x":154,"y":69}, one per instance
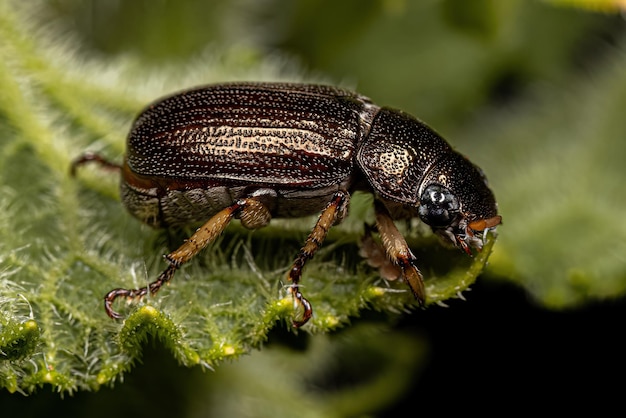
{"x":456,"y":202}
{"x":409,"y":166}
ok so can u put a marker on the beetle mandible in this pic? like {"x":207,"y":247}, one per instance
{"x":256,"y":151}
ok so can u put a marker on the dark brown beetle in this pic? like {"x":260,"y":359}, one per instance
{"x":254,"y":151}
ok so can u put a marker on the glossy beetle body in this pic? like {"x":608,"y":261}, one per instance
{"x":190,"y":153}
{"x":255,"y":151}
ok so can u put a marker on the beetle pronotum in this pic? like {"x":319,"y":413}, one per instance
{"x":254,"y":151}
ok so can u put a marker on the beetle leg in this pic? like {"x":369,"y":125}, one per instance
{"x":256,"y":214}
{"x":332,"y":213}
{"x":203,"y":236}
{"x":376,"y":256}
{"x":89,"y":157}
{"x":399,"y":252}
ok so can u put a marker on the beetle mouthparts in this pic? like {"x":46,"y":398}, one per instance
{"x":468,"y":239}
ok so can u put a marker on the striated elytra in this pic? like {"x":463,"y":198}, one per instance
{"x":254,"y":151}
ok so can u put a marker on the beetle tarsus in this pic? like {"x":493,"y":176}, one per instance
{"x":108,"y":302}
{"x":89,"y":157}
{"x":413,"y":279}
{"x":298,"y":300}
{"x":152,"y":288}
{"x":306,"y":305}
{"x":332,"y":214}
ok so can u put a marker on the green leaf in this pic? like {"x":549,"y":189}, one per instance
{"x":556,"y":163}
{"x":595,"y":5}
{"x":65,"y":242}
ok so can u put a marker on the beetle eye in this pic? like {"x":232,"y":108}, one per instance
{"x":438,"y":206}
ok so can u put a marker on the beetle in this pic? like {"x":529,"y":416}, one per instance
{"x":256,"y":151}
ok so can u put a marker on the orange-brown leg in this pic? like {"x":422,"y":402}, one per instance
{"x":332,"y":214}
{"x":203,"y":236}
{"x":399,"y":252}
